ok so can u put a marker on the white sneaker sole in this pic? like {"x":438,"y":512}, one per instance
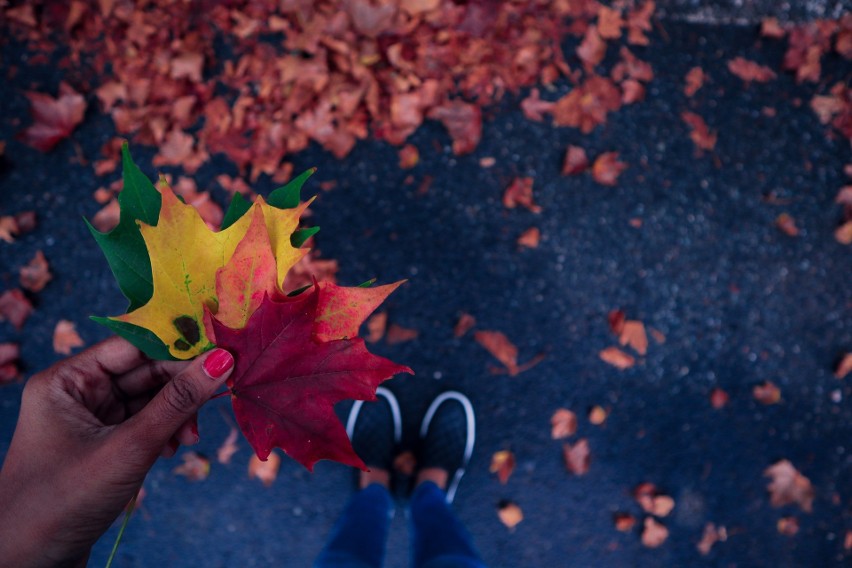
{"x":394,"y":406}
{"x":453,"y":485}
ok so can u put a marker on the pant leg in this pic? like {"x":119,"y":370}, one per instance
{"x":358,"y":538}
{"x":439,"y":540}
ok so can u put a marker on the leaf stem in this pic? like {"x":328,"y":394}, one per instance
{"x":127,"y":512}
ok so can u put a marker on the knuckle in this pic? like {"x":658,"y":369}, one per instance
{"x":180,"y":395}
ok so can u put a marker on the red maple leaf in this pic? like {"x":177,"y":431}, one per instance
{"x":286,"y":381}
{"x":55,"y":119}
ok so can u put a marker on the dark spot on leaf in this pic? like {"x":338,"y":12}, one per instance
{"x":188,"y":328}
{"x":182,"y":345}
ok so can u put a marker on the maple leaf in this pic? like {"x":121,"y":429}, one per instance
{"x":577,"y":457}
{"x":66,"y":338}
{"x":55,"y":118}
{"x":466,"y":323}
{"x":654,"y":534}
{"x":563,"y":424}
{"x":788,"y":486}
{"x":36,"y":274}
{"x":15,"y":307}
{"x":285,"y":382}
{"x":341,"y":310}
{"x":496,"y":343}
{"x":607,"y":168}
{"x":509,"y":513}
{"x":503,"y":464}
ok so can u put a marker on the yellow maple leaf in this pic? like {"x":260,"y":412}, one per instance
{"x":185,"y":256}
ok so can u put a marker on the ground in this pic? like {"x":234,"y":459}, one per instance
{"x":739,"y":302}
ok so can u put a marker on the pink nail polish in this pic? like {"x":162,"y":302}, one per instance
{"x":218,"y":363}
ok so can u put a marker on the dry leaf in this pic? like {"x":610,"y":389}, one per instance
{"x":520,"y":193}
{"x":617,"y":358}
{"x":195,"y":466}
{"x":843,"y":234}
{"x":844,"y":367}
{"x":409,"y":156}
{"x":577,"y":457}
{"x":575,"y":162}
{"x":35,"y":275}
{"x":633,"y":334}
{"x":15,"y":307}
{"x":624,"y":522}
{"x":770,"y":27}
{"x":767,"y":393}
{"x":788,"y":486}
{"x":563,"y":424}
{"x":750,"y":71}
{"x":662,"y":505}
{"x":65,"y":337}
{"x":788,"y":526}
{"x":718,"y":398}
{"x":711,"y":536}
{"x":700,"y":134}
{"x":598,"y":415}
{"x":530,"y":238}
{"x":228,"y":448}
{"x":607,"y":168}
{"x":694,"y":81}
{"x":504,"y":351}
{"x":465,"y":324}
{"x":510,"y":513}
{"x":398,"y":334}
{"x":787,"y":225}
{"x":376,"y":327}
{"x":503,"y":464}
{"x":653,"y":533}
{"x":405,"y":463}
{"x":265,"y":471}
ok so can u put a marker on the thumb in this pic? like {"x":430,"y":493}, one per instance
{"x":153,"y":426}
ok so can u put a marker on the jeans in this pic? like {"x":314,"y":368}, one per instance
{"x":438,"y":538}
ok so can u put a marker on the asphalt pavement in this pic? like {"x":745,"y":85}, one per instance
{"x":738,"y":301}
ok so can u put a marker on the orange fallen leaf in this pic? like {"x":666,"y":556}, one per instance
{"x":788,"y":486}
{"x":654,"y":533}
{"x":617,"y":358}
{"x":398,"y":334}
{"x":616,"y":319}
{"x":409,"y":156}
{"x":503,"y":464}
{"x":844,"y":367}
{"x":563,"y":424}
{"x":465,"y":324}
{"x":577,"y":457}
{"x":592,"y":49}
{"x":787,"y":225}
{"x":265,"y":471}
{"x":610,"y":23}
{"x":769,"y":27}
{"x":750,"y":71}
{"x":530,"y":238}
{"x":520,"y":193}
{"x":65,"y":337}
{"x":15,"y":307}
{"x":195,"y":466}
{"x":376,"y":326}
{"x":788,"y":526}
{"x":718,"y":398}
{"x":36,"y":274}
{"x":694,"y":81}
{"x":767,"y":392}
{"x":487,"y":162}
{"x":624,"y":522}
{"x":843,"y":234}
{"x":700,"y":134}
{"x":662,"y":505}
{"x":711,"y":536}
{"x":598,"y":415}
{"x":228,"y":448}
{"x":509,"y":513}
{"x":607,"y":168}
{"x":504,"y":351}
{"x":107,"y":217}
{"x":575,"y":161}
{"x":633,"y":334}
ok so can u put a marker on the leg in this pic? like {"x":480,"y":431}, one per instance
{"x":439,"y":539}
{"x":358,"y":538}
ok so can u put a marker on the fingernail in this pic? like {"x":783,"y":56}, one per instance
{"x":218,"y":363}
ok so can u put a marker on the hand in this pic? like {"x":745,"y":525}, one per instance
{"x":89,"y":429}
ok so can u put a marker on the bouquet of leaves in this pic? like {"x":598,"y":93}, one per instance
{"x":191,"y":289}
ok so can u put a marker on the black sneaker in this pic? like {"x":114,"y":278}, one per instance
{"x":447,"y":435}
{"x":375,"y":429}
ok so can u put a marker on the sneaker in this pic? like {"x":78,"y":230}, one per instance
{"x":447,"y":435}
{"x":376,"y":429}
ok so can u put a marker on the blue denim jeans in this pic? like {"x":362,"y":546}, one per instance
{"x":438,"y":538}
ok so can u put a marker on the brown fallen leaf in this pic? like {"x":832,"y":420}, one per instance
{"x":409,"y":156}
{"x":766,"y":392}
{"x":623,"y":522}
{"x":577,"y":457}
{"x":617,"y":358}
{"x":534,"y":108}
{"x":787,"y":225}
{"x":520,"y":193}
{"x":563,"y":424}
{"x":607,"y":168}
{"x":107,"y":217}
{"x":464,"y":123}
{"x":54,"y":118}
{"x":844,"y":367}
{"x":195,"y":466}
{"x":9,"y":353}
{"x":487,"y":162}
{"x":788,"y":526}
{"x":847,"y":540}
{"x":700,"y":133}
{"x":503,"y":464}
{"x":592,"y":49}
{"x":398,"y":334}
{"x":65,"y":337}
{"x":228,"y":448}
{"x":529,"y":238}
{"x":694,"y":80}
{"x":598,"y":415}
{"x":788,"y":486}
{"x":610,"y":23}
{"x":662,"y":505}
{"x":36,"y":274}
{"x":654,"y":533}
{"x":711,"y":536}
{"x":265,"y":471}
{"x":575,"y":162}
{"x":504,"y":351}
{"x":750,"y":71}
{"x":843,"y":234}
{"x":616,"y":319}
{"x":376,"y":326}
{"x":769,"y":27}
{"x":633,"y":334}
{"x":509,"y":513}
{"x":15,"y":307}
{"x":718,"y":398}
{"x":466,"y":323}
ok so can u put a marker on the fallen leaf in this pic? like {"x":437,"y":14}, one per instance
{"x":700,"y":133}
{"x":610,"y":23}
{"x":563,"y":424}
{"x":607,"y":168}
{"x":65,"y":337}
{"x":520,"y":193}
{"x":711,"y":536}
{"x":509,"y":513}
{"x":466,"y":323}
{"x":575,"y":162}
{"x":107,"y":218}
{"x":504,"y":351}
{"x":15,"y":307}
{"x":695,"y":79}
{"x":787,"y":225}
{"x":617,"y":358}
{"x":623,"y":522}
{"x":654,"y":533}
{"x":36,"y":274}
{"x":487,"y":162}
{"x":598,"y":415}
{"x":409,"y":156}
{"x":592,"y":49}
{"x":718,"y":398}
{"x":55,"y":118}
{"x":503,"y":464}
{"x":769,"y":27}
{"x":264,"y":470}
{"x":843,"y":234}
{"x":195,"y":466}
{"x":588,"y":104}
{"x":767,"y":392}
{"x":9,"y":353}
{"x":376,"y":326}
{"x":534,"y":108}
{"x":228,"y":448}
{"x":405,"y":463}
{"x":398,"y":334}
{"x":788,"y":526}
{"x":616,"y":319}
{"x":464,"y":123}
{"x":662,"y":506}
{"x":844,"y":367}
{"x":633,"y":334}
{"x":750,"y":71}
{"x":577,"y":457}
{"x":292,"y":406}
{"x":529,"y":238}
{"x":788,"y":486}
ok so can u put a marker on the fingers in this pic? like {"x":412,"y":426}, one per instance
{"x":148,"y":377}
{"x":149,"y":431}
{"x":113,"y":356}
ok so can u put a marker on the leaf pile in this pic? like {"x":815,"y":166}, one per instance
{"x":191,"y":288}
